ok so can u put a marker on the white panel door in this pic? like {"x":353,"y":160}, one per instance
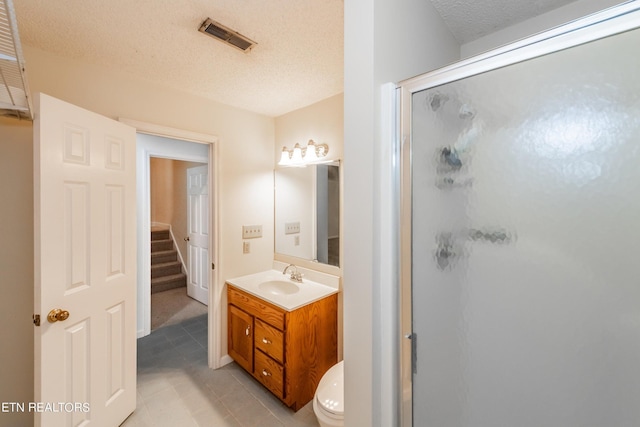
{"x":85,"y":264}
{"x":198,"y":227}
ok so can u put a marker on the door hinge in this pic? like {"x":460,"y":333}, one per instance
{"x":36,"y":319}
{"x":213,"y":266}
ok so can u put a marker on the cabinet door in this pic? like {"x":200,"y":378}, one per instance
{"x":241,"y":337}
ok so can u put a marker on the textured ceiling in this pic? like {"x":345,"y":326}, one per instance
{"x":298,"y":59}
{"x":471,"y":19}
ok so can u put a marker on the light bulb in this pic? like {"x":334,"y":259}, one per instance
{"x":296,"y":158}
{"x":285,"y":158}
{"x":311,"y":156}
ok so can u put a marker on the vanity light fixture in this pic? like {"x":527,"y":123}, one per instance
{"x":301,"y":156}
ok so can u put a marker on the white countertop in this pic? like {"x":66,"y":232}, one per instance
{"x":309,"y":292}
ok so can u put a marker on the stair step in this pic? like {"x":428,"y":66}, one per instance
{"x":165,"y":269}
{"x":160,"y":235}
{"x":161,"y":245}
{"x":165,"y":283}
{"x":160,"y":257}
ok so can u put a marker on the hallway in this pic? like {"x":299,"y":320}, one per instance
{"x":176,"y":388}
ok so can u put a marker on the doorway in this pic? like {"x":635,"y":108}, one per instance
{"x":179,"y":210}
{"x":160,"y":141}
{"x":158,"y":150}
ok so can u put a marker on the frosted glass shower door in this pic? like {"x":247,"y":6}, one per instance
{"x":525,"y":243}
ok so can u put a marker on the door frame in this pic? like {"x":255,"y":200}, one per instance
{"x":612,"y":21}
{"x":144,"y":227}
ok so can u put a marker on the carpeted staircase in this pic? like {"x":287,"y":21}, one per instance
{"x":166,"y":270}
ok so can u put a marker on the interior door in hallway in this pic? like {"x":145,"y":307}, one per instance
{"x":85,"y":266}
{"x":198,"y":228}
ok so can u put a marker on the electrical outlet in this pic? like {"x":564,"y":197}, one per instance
{"x":291,"y":228}
{"x":251,"y":231}
{"x":296,"y":241}
{"x":246,"y":247}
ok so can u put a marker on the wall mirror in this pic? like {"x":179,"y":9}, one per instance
{"x":307,"y":213}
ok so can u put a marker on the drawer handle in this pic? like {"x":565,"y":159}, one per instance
{"x":266,"y":341}
{"x":266,"y":373}
{"x":248,"y":330}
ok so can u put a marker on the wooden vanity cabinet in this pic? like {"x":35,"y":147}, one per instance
{"x":287,"y":351}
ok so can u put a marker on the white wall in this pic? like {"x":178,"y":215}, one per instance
{"x":546,"y":21}
{"x":385,"y":41}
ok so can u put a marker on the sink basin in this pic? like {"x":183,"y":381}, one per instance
{"x":279,"y":287}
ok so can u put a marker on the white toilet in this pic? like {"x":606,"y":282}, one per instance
{"x":328,"y":403}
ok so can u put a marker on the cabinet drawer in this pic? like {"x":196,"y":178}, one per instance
{"x":270,"y":373}
{"x":269,"y":340}
{"x":256,"y":307}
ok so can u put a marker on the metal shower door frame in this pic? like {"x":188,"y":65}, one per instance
{"x":609,"y":22}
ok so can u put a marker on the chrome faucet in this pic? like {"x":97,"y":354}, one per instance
{"x":296,"y":276}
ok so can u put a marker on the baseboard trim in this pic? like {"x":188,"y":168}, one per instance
{"x":225,"y":360}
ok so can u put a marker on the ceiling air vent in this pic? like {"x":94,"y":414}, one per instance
{"x":226,"y":35}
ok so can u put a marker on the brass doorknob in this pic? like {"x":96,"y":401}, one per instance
{"x":57,"y":314}
{"x":186,"y":239}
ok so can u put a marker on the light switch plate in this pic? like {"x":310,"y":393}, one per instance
{"x":291,"y":228}
{"x":251,"y":231}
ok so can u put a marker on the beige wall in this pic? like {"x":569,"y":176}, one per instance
{"x":161,"y":188}
{"x":168,"y":180}
{"x":244,"y":151}
{"x":323,"y":122}
{"x":16,"y":267}
{"x":245,"y":187}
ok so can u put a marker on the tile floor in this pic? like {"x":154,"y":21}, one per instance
{"x":176,"y":387}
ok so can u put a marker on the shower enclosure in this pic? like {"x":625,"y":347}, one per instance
{"x":521,"y":217}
